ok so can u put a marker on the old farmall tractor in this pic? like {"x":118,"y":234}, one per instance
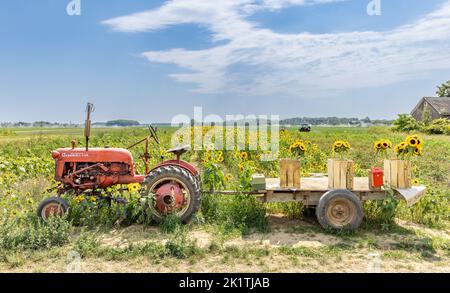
{"x":172,"y":187}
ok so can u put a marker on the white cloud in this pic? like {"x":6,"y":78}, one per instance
{"x":258,"y":61}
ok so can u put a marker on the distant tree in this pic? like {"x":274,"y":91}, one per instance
{"x":444,"y":90}
{"x":123,"y":123}
{"x":405,"y":122}
{"x":22,"y":124}
{"x":42,"y":124}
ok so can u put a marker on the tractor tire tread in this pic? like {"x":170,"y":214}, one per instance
{"x":190,"y":180}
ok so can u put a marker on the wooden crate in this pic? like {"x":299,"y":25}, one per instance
{"x":289,"y":173}
{"x":397,"y":173}
{"x":340,"y":174}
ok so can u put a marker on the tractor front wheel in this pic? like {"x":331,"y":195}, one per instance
{"x":173,"y":190}
{"x":53,"y":206}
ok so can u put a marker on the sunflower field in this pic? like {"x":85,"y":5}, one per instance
{"x":27,"y":170}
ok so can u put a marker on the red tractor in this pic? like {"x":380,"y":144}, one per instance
{"x":172,"y":186}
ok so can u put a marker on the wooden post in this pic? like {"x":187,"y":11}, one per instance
{"x":340,"y":174}
{"x":289,"y":173}
{"x":397,"y":173}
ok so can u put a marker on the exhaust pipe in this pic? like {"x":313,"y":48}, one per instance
{"x":87,"y":125}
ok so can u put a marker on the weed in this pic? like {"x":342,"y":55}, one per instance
{"x":87,"y":244}
{"x":381,"y":213}
{"x":239,"y":212}
{"x":170,"y":223}
{"x":32,"y":234}
{"x":180,"y":246}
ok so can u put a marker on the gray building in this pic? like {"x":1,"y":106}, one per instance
{"x":436,"y":108}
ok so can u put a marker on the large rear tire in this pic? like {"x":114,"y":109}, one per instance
{"x":173,"y":190}
{"x":339,"y":209}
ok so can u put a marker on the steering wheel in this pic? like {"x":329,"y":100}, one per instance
{"x":153,"y":134}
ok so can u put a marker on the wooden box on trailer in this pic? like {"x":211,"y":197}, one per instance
{"x":397,"y":173}
{"x":290,"y":174}
{"x":340,"y":174}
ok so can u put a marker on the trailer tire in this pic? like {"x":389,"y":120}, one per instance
{"x":52,"y":205}
{"x":181,"y":176}
{"x":339,"y":209}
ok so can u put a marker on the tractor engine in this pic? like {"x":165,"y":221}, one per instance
{"x":95,"y":168}
{"x":94,"y":173}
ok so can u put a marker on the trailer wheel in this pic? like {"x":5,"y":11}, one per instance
{"x":174,"y":190}
{"x":53,"y":206}
{"x":339,"y":209}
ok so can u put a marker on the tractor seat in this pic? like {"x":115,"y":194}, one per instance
{"x":179,"y":151}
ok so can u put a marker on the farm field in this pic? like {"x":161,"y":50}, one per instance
{"x":231,"y":233}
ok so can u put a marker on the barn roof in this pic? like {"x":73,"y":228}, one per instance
{"x":441,"y":105}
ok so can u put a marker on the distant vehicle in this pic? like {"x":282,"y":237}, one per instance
{"x":305,"y":128}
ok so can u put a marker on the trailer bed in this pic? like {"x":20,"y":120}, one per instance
{"x":312,"y":188}
{"x":317,"y":184}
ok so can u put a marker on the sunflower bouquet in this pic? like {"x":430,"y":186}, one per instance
{"x":298,"y":149}
{"x":412,"y":146}
{"x":382,"y":147}
{"x":341,"y":147}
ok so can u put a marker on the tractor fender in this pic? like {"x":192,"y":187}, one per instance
{"x":182,"y":164}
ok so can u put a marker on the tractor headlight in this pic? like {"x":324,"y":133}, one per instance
{"x":56,"y":155}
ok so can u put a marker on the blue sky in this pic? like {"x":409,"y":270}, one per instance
{"x":150,"y":60}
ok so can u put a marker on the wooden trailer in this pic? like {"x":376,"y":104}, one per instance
{"x":335,"y":208}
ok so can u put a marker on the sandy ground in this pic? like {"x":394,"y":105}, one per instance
{"x":374,"y":252}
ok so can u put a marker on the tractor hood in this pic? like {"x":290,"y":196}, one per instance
{"x":93,"y":155}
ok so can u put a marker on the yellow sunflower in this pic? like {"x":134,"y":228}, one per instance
{"x":134,"y":187}
{"x":397,"y":149}
{"x":298,"y":148}
{"x":79,"y":198}
{"x":244,"y":155}
{"x":412,"y":140}
{"x":92,"y":199}
{"x":419,"y":142}
{"x":341,"y":146}
{"x":418,"y":151}
{"x":416,"y":182}
{"x":383,"y":145}
{"x":400,"y":148}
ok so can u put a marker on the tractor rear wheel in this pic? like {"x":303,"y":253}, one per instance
{"x":53,"y":206}
{"x":174,"y":190}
